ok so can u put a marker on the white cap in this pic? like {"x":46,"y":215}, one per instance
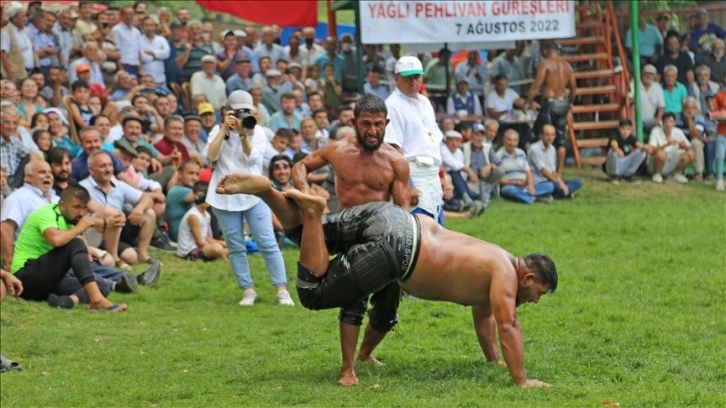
{"x":209,"y":58}
{"x":272,"y":73}
{"x":649,"y":69}
{"x":407,"y":66}
{"x":12,"y":9}
{"x":240,"y":100}
{"x":240,"y":33}
{"x":452,"y":134}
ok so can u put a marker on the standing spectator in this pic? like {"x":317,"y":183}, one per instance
{"x":295,"y":53}
{"x":154,"y":52}
{"x":652,"y":100}
{"x":671,"y":151}
{"x":331,"y":56}
{"x":435,"y":76}
{"x":63,"y":31}
{"x":717,"y":62}
{"x":413,"y":130}
{"x":229,"y":55}
{"x":207,"y":35}
{"x":518,"y":183}
{"x":508,"y":64}
{"x":463,"y":100}
{"x":703,"y":88}
{"x":85,"y":24}
{"x":183,"y":16}
{"x":373,"y":84}
{"x":189,"y":55}
{"x":395,"y":50}
{"x":662,"y":22}
{"x":272,"y":93}
{"x":244,"y":45}
{"x":268,"y":48}
{"x":625,"y":154}
{"x":349,"y":81}
{"x":703,"y":36}
{"x":17,"y":53}
{"x":474,"y":72}
{"x":176,"y":42}
{"x":650,"y":41}
{"x":128,"y":39}
{"x":208,"y":83}
{"x":38,"y":31}
{"x":164,"y":21}
{"x":502,"y":99}
{"x":543,"y":164}
{"x":313,"y":50}
{"x":674,"y":56}
{"x":720,"y":105}
{"x":674,"y":92}
{"x":235,"y":149}
{"x":92,"y":59}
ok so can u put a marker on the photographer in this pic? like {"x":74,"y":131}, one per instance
{"x":237,"y":146}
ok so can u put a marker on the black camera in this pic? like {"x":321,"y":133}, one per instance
{"x":200,"y":198}
{"x":248,"y":121}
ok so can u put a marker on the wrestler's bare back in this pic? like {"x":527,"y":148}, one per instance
{"x":455,"y":267}
{"x":557,"y":78}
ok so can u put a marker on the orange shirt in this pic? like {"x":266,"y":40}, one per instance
{"x":721,"y":106}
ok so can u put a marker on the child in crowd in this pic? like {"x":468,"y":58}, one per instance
{"x":43,"y":140}
{"x":626,"y":154}
{"x":78,"y":108}
{"x":195,"y":233}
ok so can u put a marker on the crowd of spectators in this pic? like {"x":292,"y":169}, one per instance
{"x":126,"y":104}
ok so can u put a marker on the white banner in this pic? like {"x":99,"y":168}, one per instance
{"x":415,"y":22}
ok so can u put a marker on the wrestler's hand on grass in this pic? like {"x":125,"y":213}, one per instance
{"x":532,"y":383}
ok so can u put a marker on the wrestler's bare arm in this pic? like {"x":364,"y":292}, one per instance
{"x":485,"y":327}
{"x":502,"y":295}
{"x":573,"y":82}
{"x":310,"y":163}
{"x":400,"y":188}
{"x":538,"y":81}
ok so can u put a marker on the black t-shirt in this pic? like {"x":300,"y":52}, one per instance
{"x":59,"y":191}
{"x":627,"y":145}
{"x":682,"y":62}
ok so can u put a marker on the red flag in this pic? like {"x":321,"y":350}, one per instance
{"x":302,"y":13}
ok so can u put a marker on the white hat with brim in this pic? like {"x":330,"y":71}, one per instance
{"x":407,"y":66}
{"x":452,"y":134}
{"x":240,"y":100}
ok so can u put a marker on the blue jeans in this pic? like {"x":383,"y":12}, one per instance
{"x":461,"y":188}
{"x":572,"y":185}
{"x":133,"y":70}
{"x":521,"y":195}
{"x":720,"y":155}
{"x":259,"y":218}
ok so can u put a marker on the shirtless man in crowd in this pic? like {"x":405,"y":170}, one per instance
{"x":378,"y":244}
{"x":366,"y":170}
{"x":554,"y":75}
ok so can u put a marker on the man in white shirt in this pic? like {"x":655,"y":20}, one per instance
{"x":453,"y":160}
{"x":474,"y":72}
{"x":314,"y":51}
{"x":670,"y":151}
{"x":295,"y":53}
{"x":208,"y":83}
{"x":652,"y":101}
{"x":413,"y":131}
{"x":90,"y":58}
{"x":154,"y":52}
{"x":16,"y":48}
{"x":128,"y":40}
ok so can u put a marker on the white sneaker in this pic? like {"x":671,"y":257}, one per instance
{"x":657,"y":178}
{"x":680,"y":178}
{"x":719,"y":185}
{"x":248,"y":298}
{"x":284,"y":298}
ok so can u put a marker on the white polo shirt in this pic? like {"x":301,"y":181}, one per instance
{"x":658,"y":138}
{"x":23,"y":201}
{"x":232,"y":159}
{"x":413,"y":126}
{"x":154,"y":66}
{"x":128,"y":40}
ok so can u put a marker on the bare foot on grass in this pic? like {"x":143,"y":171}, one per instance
{"x":313,"y":203}
{"x":348,"y":379}
{"x":106,"y":304}
{"x":239,"y":183}
{"x":371,"y":359}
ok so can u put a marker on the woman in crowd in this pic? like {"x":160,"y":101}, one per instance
{"x":103,"y":124}
{"x":42,"y":139}
{"x":27,"y":105}
{"x":58,"y":126}
{"x":40,"y":121}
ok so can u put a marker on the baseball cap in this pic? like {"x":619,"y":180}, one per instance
{"x":240,"y":100}
{"x":702,"y":12}
{"x":478,"y":127}
{"x":175,"y":24}
{"x":132,"y":117}
{"x":242,"y":59}
{"x":205,"y":107}
{"x":191,"y":116}
{"x":82,"y":68}
{"x":407,"y":66}
{"x":452,"y":134}
{"x":650,"y":69}
{"x":209,"y":58}
{"x":240,"y":33}
{"x":294,"y":65}
{"x":272,"y":73}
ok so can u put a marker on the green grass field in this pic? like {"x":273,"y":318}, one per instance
{"x":638,"y":319}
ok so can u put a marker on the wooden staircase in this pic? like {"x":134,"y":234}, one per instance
{"x":601,"y":88}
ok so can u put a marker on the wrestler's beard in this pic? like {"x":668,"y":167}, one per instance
{"x":367,"y":147}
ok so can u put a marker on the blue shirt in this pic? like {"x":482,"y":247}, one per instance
{"x":706,"y":37}
{"x":674,"y":99}
{"x":176,"y":207}
{"x":338,"y":64}
{"x":66,"y":142}
{"x":278,"y":121}
{"x":119,"y":195}
{"x":235,"y":82}
{"x":381,"y":91}
{"x":80,"y":166}
{"x":648,"y":39}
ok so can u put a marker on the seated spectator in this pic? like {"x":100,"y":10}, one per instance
{"x":108,"y":191}
{"x":5,"y":188}
{"x":345,"y":118}
{"x":190,"y":53}
{"x":58,"y":84}
{"x":256,"y":92}
{"x":240,"y":80}
{"x":77,"y":106}
{"x":103,"y":124}
{"x":321,"y":121}
{"x":502,"y":99}
{"x":286,"y":116}
{"x":695,"y":129}
{"x":27,"y":105}
{"x":90,"y":59}
{"x":302,"y":109}
{"x":463,"y":101}
{"x":171,"y":144}
{"x":703,"y":35}
{"x":481,"y":158}
{"x":447,"y":123}
{"x":671,"y":151}
{"x":151,"y":121}
{"x":314,"y":81}
{"x":162,"y":165}
{"x":295,"y":77}
{"x":625,"y":154}
{"x":466,"y":129}
{"x":296,"y":146}
{"x":308,"y":131}
{"x":717,"y":62}
{"x":543,"y":164}
{"x":674,"y":93}
{"x":124,"y":87}
{"x":42,"y":139}
{"x":652,"y":101}
{"x":277,"y":146}
{"x":268,"y":48}
{"x":272,"y":93}
{"x":518,"y":183}
{"x":48,"y":247}
{"x":180,"y":197}
{"x":195,"y":231}
{"x":703,"y":88}
{"x":674,"y":56}
{"x":209,"y":119}
{"x":260,"y":76}
{"x":91,"y":143}
{"x":230,"y":55}
{"x":332,"y":91}
{"x":373,"y":84}
{"x":208,"y":83}
{"x":453,"y":162}
{"x":508,"y":64}
{"x":315,"y":101}
{"x":12,"y":151}
{"x":192,"y":136}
